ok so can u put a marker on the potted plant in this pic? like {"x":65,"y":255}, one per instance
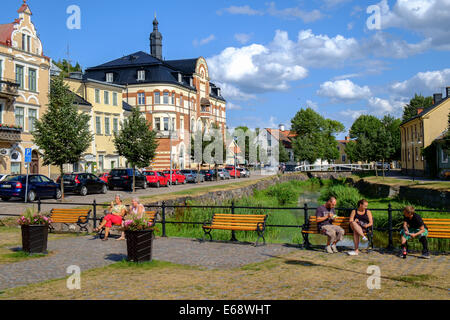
{"x":139,"y":235}
{"x":34,"y":231}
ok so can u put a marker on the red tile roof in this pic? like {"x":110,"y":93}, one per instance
{"x":6,"y":31}
{"x":24,"y":7}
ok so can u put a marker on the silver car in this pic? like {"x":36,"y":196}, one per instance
{"x":224,"y":174}
{"x":244,"y":173}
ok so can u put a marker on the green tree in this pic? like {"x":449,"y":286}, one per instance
{"x":418,"y":102}
{"x":67,"y":67}
{"x":63,"y":134}
{"x":136,"y":141}
{"x":446,"y":145}
{"x":392,"y":125}
{"x":283,"y":155}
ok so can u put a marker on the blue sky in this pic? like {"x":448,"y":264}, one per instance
{"x":271,"y":58}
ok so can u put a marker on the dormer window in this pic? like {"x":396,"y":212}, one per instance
{"x":191,"y":82}
{"x":141,"y":75}
{"x":109,"y":77}
{"x":180,"y":78}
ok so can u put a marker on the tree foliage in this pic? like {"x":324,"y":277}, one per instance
{"x":418,"y":102}
{"x":67,"y":67}
{"x":63,"y":134}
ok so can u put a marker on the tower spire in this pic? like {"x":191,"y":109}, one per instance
{"x":156,"y":41}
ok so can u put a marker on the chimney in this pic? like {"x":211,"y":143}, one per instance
{"x":282,"y":127}
{"x":437,"y":98}
{"x":419,"y":110}
{"x":448,"y":92}
{"x":347,"y":138}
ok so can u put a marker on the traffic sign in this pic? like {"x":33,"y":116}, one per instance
{"x":28,"y":152}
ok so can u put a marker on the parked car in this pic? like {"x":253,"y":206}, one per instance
{"x":193,"y":176}
{"x":177,"y":177}
{"x":224,"y":174}
{"x":39,"y":186}
{"x":123,"y":178}
{"x":83,"y":183}
{"x":233,"y":172}
{"x":104,"y":177}
{"x":210,"y":175}
{"x":156,"y":178}
{"x":244,"y":172}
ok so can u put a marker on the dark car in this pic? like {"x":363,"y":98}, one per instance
{"x":83,"y":183}
{"x":39,"y":186}
{"x":193,"y":176}
{"x":123,"y":178}
{"x":210,"y":175}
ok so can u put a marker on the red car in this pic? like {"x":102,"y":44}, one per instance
{"x":177,"y":177}
{"x":233,"y":172}
{"x":156,"y":178}
{"x":104,"y":177}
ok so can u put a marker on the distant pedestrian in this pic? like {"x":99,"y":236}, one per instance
{"x":360,"y":221}
{"x":414,"y":227}
{"x":325,"y":215}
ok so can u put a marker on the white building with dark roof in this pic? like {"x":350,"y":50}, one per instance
{"x":175,"y":95}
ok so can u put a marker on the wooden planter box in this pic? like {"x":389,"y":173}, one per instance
{"x":34,"y":238}
{"x":139,"y":245}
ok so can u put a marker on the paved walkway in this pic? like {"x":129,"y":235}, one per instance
{"x":89,"y":253}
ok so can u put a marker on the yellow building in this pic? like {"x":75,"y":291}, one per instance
{"x":103,"y":102}
{"x":420,"y":131}
{"x":24,"y":87}
{"x":343,"y":158}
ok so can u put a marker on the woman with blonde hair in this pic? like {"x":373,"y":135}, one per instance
{"x":137,"y":210}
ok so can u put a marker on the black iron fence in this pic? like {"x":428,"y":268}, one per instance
{"x":96,"y":216}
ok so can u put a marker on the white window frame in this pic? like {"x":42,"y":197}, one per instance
{"x":157,"y":97}
{"x":35,"y":79}
{"x":141,"y":75}
{"x":98,"y":125}
{"x":115,"y":98}
{"x":23,"y":116}
{"x":107,"y":126}
{"x":35,"y":119}
{"x":141,"y":95}
{"x":98,"y":96}
{"x":109,"y":77}
{"x":106,"y":97}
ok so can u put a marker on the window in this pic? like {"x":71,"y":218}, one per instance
{"x":24,"y":42}
{"x":97,"y":96}
{"x":32,"y":79}
{"x":173,"y":98}
{"x":107,"y":126}
{"x":181,"y":101}
{"x":1,"y":113}
{"x":32,"y":117}
{"x":109,"y":77}
{"x":141,"y":75}
{"x":28,"y":43}
{"x":106,"y":97}
{"x":166,"y":124}
{"x":19,"y":114}
{"x":166,"y":98}
{"x":141,"y":98}
{"x":19,"y":76}
{"x":444,"y":156}
{"x":116,"y":125}
{"x":157,"y":98}
{"x":15,"y":168}
{"x":101,"y":162}
{"x":1,"y":68}
{"x":158,"y":124}
{"x":98,"y":125}
{"x":115,"y":101}
{"x":113,"y":164}
{"x":172,"y":124}
{"x":344,"y":158}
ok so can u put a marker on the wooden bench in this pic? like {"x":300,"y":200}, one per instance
{"x":438,"y":228}
{"x":236,"y":222}
{"x":150,"y":216}
{"x":67,"y":217}
{"x":343,"y":222}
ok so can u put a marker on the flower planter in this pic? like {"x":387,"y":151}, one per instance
{"x":34,"y":238}
{"x":139,"y":245}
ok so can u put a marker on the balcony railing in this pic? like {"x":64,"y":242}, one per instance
{"x":10,"y":133}
{"x":167,"y":135}
{"x":9,"y":88}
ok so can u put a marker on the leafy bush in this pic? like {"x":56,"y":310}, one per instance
{"x":346,"y":196}
{"x":284,"y":194}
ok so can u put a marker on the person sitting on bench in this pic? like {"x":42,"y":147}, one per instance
{"x":360,"y":220}
{"x":325,"y":215}
{"x":413,"y":227}
{"x":117,"y":211}
{"x":137,"y":210}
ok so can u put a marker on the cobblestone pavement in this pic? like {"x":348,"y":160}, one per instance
{"x":89,"y":252}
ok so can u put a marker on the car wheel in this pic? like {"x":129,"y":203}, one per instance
{"x":31,"y":196}
{"x":105,"y":190}
{"x":58,"y":194}
{"x":6,"y":199}
{"x":157,"y":184}
{"x":176,"y":182}
{"x":145,"y":186}
{"x":184,"y":182}
{"x":83,"y":191}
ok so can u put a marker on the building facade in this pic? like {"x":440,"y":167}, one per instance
{"x":176,"y":96}
{"x":102,"y":101}
{"x":343,"y":158}
{"x":24,"y":87}
{"x":420,"y":131}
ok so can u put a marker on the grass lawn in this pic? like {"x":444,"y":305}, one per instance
{"x":435,"y":185}
{"x":300,"y":275}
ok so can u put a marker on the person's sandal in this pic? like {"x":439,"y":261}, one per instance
{"x":105,"y":239}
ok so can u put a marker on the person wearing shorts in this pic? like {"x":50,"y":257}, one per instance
{"x":325,"y":215}
{"x":414,"y":227}
{"x":360,"y":221}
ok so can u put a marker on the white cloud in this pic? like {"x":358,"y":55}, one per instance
{"x":204,"y":41}
{"x":352,"y":114}
{"x":334,"y":3}
{"x":294,"y":13}
{"x":426,"y":83}
{"x":343,"y":90}
{"x":313,"y":105}
{"x":243,"y":38}
{"x":232,"y":106}
{"x":243,"y":10}
{"x":347,"y":76}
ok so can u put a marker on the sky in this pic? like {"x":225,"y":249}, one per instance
{"x":343,"y":58}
